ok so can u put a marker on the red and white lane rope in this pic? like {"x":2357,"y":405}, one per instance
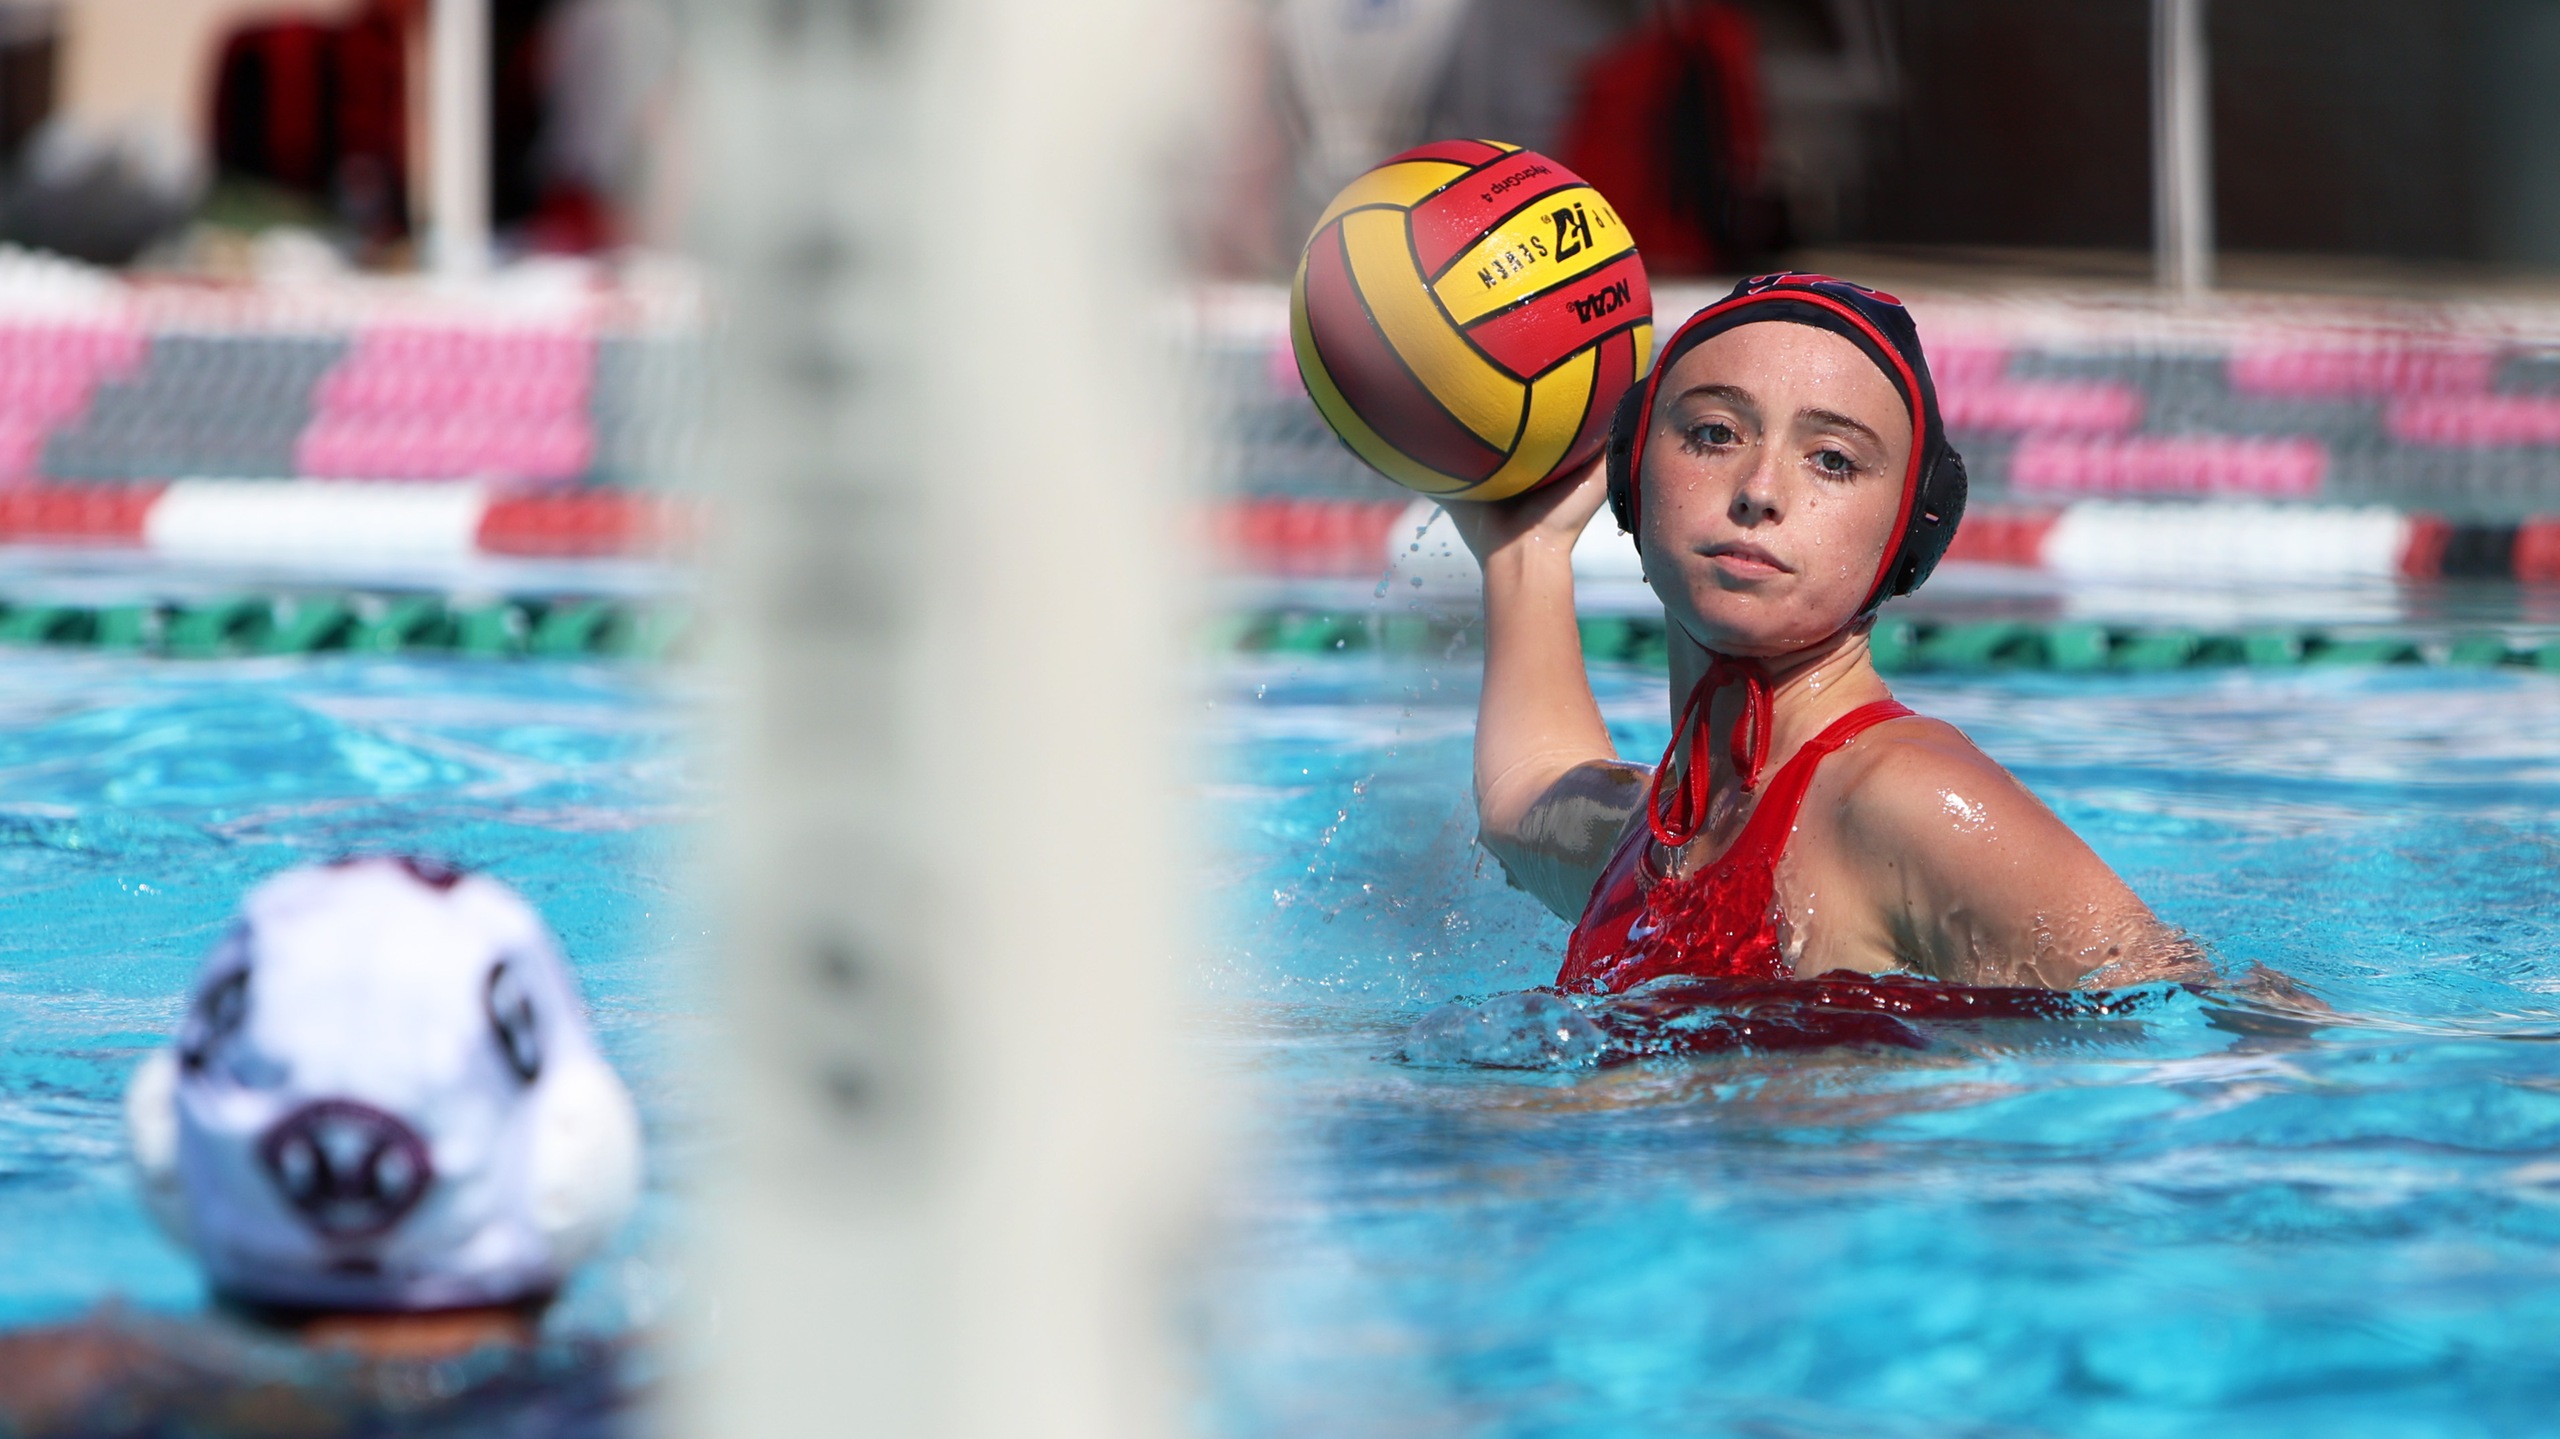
{"x":342,"y":521}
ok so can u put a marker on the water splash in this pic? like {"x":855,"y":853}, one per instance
{"x":1680,"y":1016}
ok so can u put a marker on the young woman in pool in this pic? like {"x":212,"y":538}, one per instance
{"x":1783,"y":472}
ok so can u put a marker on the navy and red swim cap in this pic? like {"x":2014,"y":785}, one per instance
{"x":1933,"y":487}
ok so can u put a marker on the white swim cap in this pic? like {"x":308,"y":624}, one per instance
{"x":385,"y":1096}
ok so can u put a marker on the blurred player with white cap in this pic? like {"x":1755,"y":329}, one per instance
{"x":384,"y":1119}
{"x":387,"y":1134}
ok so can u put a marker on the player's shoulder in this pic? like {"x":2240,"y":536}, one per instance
{"x":1916,"y":747}
{"x":1917,"y":772}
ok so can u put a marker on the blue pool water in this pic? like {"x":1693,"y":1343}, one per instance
{"x":2159,"y":1224}
{"x":139,"y":799}
{"x":2165,"y":1224}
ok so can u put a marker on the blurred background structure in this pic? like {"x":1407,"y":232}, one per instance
{"x":2374,"y":188}
{"x":239,"y":193}
{"x":124,"y":121}
{"x":954,"y":1184}
{"x":2358,"y":130}
{"x":220,"y":210}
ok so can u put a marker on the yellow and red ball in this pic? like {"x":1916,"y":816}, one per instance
{"x":1467,"y":316}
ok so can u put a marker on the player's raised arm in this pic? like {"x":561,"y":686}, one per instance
{"x":1465,"y":314}
{"x":1552,"y":797}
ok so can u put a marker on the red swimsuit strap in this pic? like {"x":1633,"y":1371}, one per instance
{"x":1777,"y":809}
{"x":1775,"y":815}
{"x":1747,"y":746}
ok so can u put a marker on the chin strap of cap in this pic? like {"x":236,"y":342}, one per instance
{"x":1747,"y":747}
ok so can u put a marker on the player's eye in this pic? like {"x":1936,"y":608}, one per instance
{"x":1838,"y":463}
{"x":1711,"y":435}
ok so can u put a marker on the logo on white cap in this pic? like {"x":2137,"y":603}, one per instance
{"x":348,"y":1169}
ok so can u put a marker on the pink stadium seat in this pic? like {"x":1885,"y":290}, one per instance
{"x":2201,"y":465}
{"x":2075,"y":407}
{"x":1954,"y":362}
{"x":422,"y":403}
{"x":2330,"y":370}
{"x":2474,"y":421}
{"x":47,"y":374}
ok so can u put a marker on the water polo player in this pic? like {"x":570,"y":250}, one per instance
{"x":387,"y":1134}
{"x":385,"y":1120}
{"x":1783,"y":471}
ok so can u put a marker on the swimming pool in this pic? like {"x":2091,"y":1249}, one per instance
{"x":2153,"y":1224}
{"x":2142,"y":1225}
{"x":139,"y":799}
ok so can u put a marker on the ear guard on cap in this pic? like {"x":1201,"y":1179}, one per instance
{"x":586,"y":1160}
{"x":151,"y":1135}
{"x":1935,"y":513}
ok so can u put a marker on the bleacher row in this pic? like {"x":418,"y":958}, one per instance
{"x":539,"y":406}
{"x":2452,"y":410}
{"x":2445,"y":413}
{"x":104,"y":380}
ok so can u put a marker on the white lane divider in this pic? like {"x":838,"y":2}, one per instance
{"x":338,"y":521}
{"x":2221,"y":543}
{"x":2106,"y":540}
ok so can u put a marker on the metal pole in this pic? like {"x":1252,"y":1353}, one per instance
{"x":946,"y":1188}
{"x":2181,"y":148}
{"x":458,"y":83}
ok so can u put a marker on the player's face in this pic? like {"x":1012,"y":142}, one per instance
{"x":1772,"y":478}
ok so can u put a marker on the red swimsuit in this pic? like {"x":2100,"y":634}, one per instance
{"x":1722,"y":921}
